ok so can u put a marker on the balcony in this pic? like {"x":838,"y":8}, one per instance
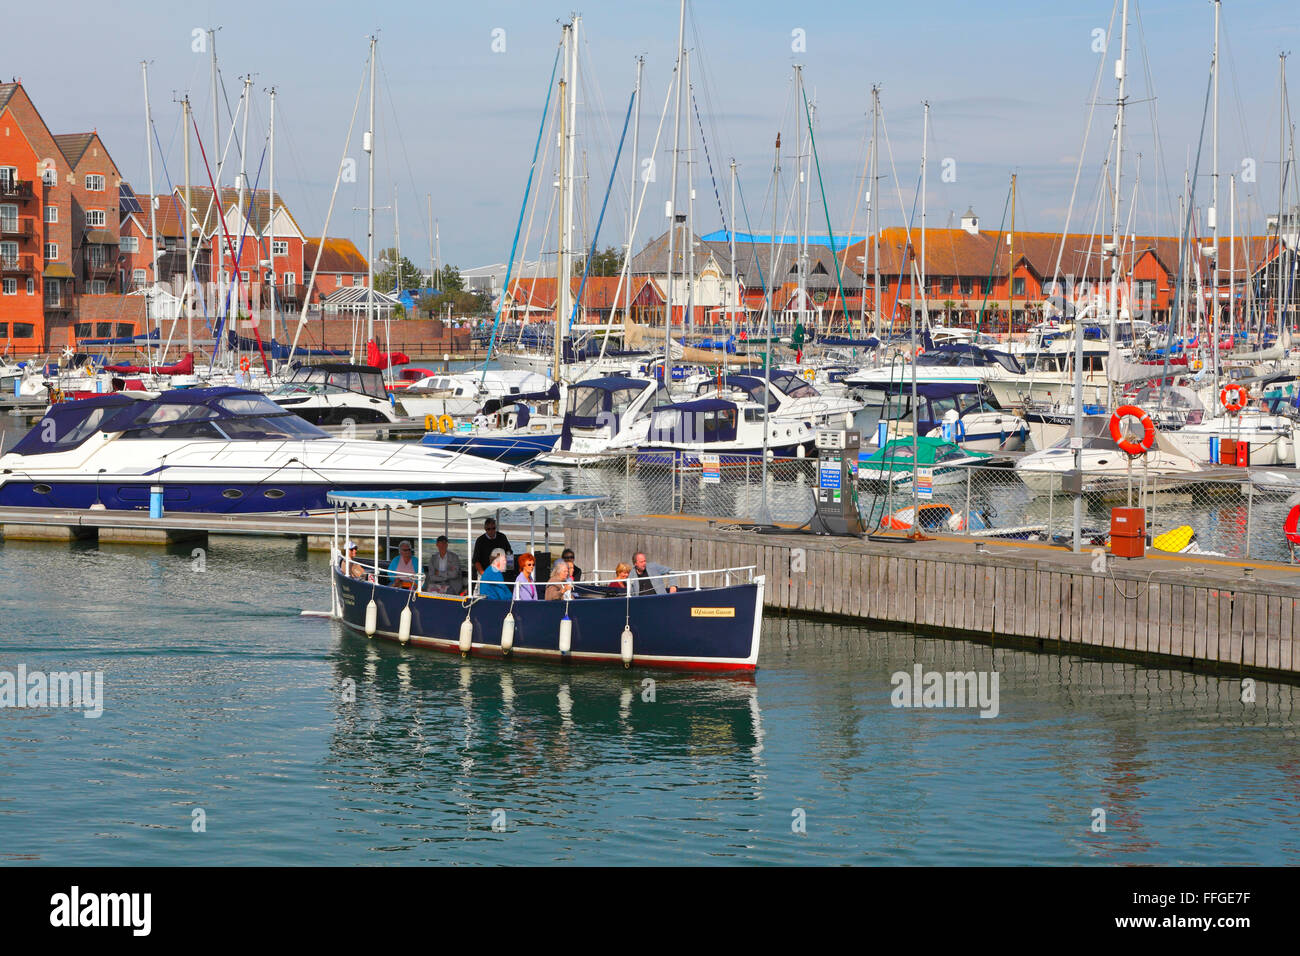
{"x":20,"y":189}
{"x":58,"y":303}
{"x":290,"y":293}
{"x":21,"y":228}
{"x":15,"y":265}
{"x":100,"y":268}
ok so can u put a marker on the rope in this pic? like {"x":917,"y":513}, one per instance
{"x":708,"y":161}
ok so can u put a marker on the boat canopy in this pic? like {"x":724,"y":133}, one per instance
{"x":611,"y":395}
{"x":353,"y":378}
{"x":220,"y":413}
{"x":476,"y":503}
{"x":704,"y":420}
{"x":965,"y":354}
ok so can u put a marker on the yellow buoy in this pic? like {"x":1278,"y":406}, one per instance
{"x":625,"y":646}
{"x":446,"y":424}
{"x":372,"y":618}
{"x":430,"y":422}
{"x":566,"y":634}
{"x":466,"y":635}
{"x":508,"y":632}
{"x":404,"y":625}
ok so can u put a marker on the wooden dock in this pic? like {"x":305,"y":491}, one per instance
{"x":1192,"y":612}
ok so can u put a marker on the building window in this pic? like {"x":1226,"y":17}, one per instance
{"x":51,"y":213}
{"x":95,"y":183}
{"x":130,"y":243}
{"x":53,"y":294}
{"x":51,"y":250}
{"x":243,"y":277}
{"x":138,"y":277}
{"x":290,"y":278}
{"x":9,"y":253}
{"x":9,"y":218}
{"x":97,"y":255}
{"x":95,"y":218}
{"x":10,"y":286}
{"x":24,"y":330}
{"x":82,"y":330}
{"x":125,"y":328}
{"x":103,"y":329}
{"x":31,"y":286}
{"x":1018,"y":286}
{"x":50,"y":176}
{"x":97,"y":287}
{"x":8,"y":175}
{"x":279,"y":248}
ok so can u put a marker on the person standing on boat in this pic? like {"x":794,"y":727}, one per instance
{"x":443,"y":574}
{"x":649,"y":577}
{"x":486,"y":542}
{"x":526,"y":583}
{"x":493,"y":583}
{"x":404,"y":570}
{"x":561,"y":585}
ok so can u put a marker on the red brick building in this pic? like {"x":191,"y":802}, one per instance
{"x":341,"y":265}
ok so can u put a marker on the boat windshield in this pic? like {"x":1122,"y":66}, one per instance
{"x":346,"y":378}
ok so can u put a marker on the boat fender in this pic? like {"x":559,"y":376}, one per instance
{"x":372,"y":618}
{"x":566,"y":634}
{"x":466,"y":636}
{"x":508,"y":632}
{"x":625,"y":646}
{"x":445,"y":424}
{"x":404,"y":625}
{"x":430,"y":422}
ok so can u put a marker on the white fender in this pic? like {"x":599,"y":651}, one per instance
{"x":466,"y":635}
{"x":372,"y":618}
{"x":566,"y":634}
{"x":508,"y":632}
{"x":404,"y":625}
{"x":625,"y":646}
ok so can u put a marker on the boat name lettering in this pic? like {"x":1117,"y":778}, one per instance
{"x":713,"y":612}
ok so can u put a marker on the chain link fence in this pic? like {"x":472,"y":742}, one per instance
{"x":1225,"y":513}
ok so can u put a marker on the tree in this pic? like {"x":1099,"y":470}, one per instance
{"x":449,"y":279}
{"x":388,"y":270}
{"x":606,"y":263}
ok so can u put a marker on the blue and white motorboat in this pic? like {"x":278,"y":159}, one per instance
{"x":604,"y":414}
{"x":511,"y":433}
{"x":225,"y":450}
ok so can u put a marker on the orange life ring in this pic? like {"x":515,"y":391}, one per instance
{"x":244,"y":364}
{"x":1242,"y":399}
{"x":1133,"y":448}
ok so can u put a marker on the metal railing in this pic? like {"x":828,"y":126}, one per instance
{"x":1236,"y":516}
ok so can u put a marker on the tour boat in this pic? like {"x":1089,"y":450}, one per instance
{"x":225,"y":450}
{"x":712,"y":621}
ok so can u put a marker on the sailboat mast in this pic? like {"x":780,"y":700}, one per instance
{"x":688,"y":313}
{"x":764,"y":515}
{"x":872,"y":204}
{"x":732,"y":291}
{"x":572,"y":156}
{"x":672,"y":199}
{"x":1213,"y":213}
{"x":153,"y":215}
{"x":243,"y":189}
{"x":562,"y":253}
{"x":1278,"y":296}
{"x":1121,"y":68}
{"x":270,"y":213}
{"x":925,"y":146}
{"x":216,"y":148}
{"x":186,"y":289}
{"x":368,"y":145}
{"x":1011,"y":264}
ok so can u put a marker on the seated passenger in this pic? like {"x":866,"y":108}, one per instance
{"x":442,"y":575}
{"x":568,"y":556}
{"x":621,"y":571}
{"x":351,"y":567}
{"x":525,"y":582}
{"x":650,"y":578}
{"x":404,"y":570}
{"x":492,"y":584}
{"x":561,"y":585}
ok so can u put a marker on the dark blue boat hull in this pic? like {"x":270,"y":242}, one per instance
{"x":712,"y":629}
{"x":511,"y":451}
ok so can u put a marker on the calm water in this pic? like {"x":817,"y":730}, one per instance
{"x":220,"y":696}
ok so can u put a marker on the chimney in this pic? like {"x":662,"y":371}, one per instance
{"x":970,"y":222}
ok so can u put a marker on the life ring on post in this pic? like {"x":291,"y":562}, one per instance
{"x":1236,"y":404}
{"x":245,"y":364}
{"x":1129,"y":447}
{"x":446,"y":424}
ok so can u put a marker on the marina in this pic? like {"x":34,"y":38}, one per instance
{"x":741,"y":501}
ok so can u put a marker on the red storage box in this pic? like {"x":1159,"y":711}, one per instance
{"x":1227,"y":451}
{"x":1243,"y":453}
{"x":1128,"y":532}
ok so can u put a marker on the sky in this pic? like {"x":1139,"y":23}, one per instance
{"x":461,"y":87}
